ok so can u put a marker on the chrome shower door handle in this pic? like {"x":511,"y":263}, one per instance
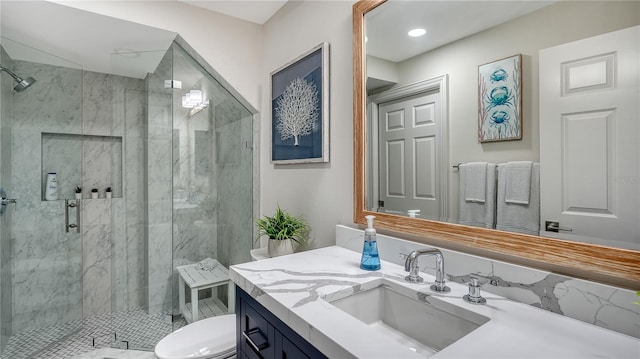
{"x":69,"y":204}
{"x":78,"y":215}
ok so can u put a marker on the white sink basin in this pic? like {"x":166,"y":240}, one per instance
{"x":423,"y":323}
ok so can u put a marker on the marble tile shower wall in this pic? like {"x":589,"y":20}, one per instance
{"x":58,"y":276}
{"x":46,"y":261}
{"x":6,"y":109}
{"x":234,"y":158}
{"x":602,"y":305}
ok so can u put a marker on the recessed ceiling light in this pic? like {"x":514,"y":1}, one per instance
{"x":417,"y":32}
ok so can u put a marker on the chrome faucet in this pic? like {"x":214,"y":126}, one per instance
{"x":411,"y":266}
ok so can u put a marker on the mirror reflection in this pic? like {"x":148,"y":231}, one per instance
{"x":572,"y":172}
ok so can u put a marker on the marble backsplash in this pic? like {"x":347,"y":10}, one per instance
{"x":602,"y":305}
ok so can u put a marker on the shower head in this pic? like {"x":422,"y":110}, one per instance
{"x":23,"y":84}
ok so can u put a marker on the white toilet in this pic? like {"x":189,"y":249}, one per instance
{"x":210,"y":338}
{"x":213,"y":337}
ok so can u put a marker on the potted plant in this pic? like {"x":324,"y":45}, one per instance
{"x":282,"y":229}
{"x":94,"y":193}
{"x":78,"y":191}
{"x":107,"y":192}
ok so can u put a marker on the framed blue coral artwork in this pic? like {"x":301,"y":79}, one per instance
{"x":500,"y":100}
{"x":300,"y":109}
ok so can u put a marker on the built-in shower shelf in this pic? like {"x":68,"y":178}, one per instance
{"x":87,"y":161}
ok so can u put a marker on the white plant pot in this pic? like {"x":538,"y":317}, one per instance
{"x":94,"y":195}
{"x":280,"y":247}
{"x":108,"y":194}
{"x":78,"y":195}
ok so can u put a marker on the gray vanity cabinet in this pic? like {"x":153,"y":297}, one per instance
{"x":260,"y":334}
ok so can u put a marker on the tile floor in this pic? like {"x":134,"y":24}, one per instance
{"x":69,"y":340}
{"x":111,"y":353}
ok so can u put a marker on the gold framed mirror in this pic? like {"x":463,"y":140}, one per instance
{"x":589,"y":261}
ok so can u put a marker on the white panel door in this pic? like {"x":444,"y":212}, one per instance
{"x":409,"y":147}
{"x":589,"y":143}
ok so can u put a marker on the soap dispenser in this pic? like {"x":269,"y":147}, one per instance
{"x":370,"y":258}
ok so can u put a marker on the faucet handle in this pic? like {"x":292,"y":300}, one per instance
{"x":411,"y":266}
{"x":474,"y":296}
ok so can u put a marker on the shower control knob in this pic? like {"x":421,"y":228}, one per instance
{"x":4,"y":201}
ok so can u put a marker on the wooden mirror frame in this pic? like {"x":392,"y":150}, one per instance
{"x":609,"y":265}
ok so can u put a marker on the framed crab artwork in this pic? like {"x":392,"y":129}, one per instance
{"x":500,"y":100}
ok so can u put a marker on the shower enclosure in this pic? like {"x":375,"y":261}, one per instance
{"x":175,"y":148}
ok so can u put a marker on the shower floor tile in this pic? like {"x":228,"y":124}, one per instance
{"x":110,"y":353}
{"x":134,"y":329}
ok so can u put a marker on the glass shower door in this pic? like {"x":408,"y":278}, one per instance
{"x":212,"y":185}
{"x":187,"y":194}
{"x":41,"y":266}
{"x":141,"y":221}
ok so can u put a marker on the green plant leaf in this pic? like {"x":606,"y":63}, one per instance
{"x":283,"y":225}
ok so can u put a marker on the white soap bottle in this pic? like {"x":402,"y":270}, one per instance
{"x":51,"y":187}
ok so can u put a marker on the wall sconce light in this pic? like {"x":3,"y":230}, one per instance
{"x":193,"y":100}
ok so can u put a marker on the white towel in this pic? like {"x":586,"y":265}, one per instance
{"x":518,"y":182}
{"x":514,"y":217}
{"x":475,"y":181}
{"x":207,"y":264}
{"x":478,"y":214}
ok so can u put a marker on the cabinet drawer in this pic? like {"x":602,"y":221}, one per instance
{"x":285,"y":349}
{"x":256,"y":334}
{"x":260,"y":334}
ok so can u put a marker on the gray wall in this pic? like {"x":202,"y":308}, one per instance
{"x":321,"y":192}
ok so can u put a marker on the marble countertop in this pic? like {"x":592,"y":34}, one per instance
{"x":293,"y":287}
